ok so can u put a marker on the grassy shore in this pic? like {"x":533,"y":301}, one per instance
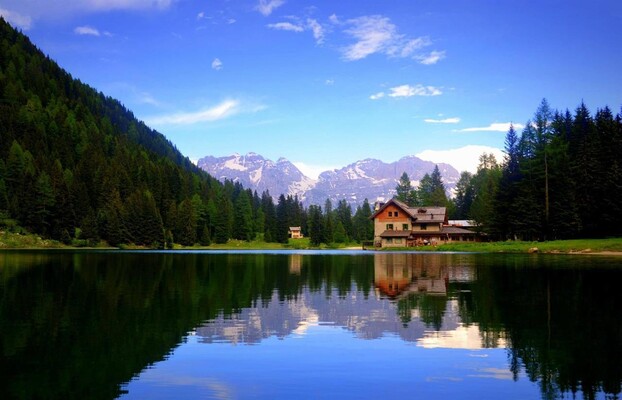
{"x":10,"y":240}
{"x":611,"y":245}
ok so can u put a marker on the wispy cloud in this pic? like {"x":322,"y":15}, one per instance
{"x":463,"y":159}
{"x":318,"y":30}
{"x":125,"y":4}
{"x":299,"y":26}
{"x":146,"y":98}
{"x":201,"y":15}
{"x":431,"y":58}
{"x":417,"y":90}
{"x":90,"y":31}
{"x":408,"y":91}
{"x":266,"y":7}
{"x":377,"y":96}
{"x":17,"y":20}
{"x":25,"y":12}
{"x":454,"y":120}
{"x":217,"y":64}
{"x":377,"y":34}
{"x":286,"y":26}
{"x":494,"y":127}
{"x":223,"y":110}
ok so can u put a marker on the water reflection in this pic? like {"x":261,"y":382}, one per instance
{"x":82,"y":324}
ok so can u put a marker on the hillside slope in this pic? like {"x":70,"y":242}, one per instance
{"x":72,"y":157}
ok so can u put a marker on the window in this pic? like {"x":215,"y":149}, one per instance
{"x":389,"y":227}
{"x":404,"y":227}
{"x":424,"y":227}
{"x":390,"y":213}
{"x":395,"y":213}
{"x":389,"y":240}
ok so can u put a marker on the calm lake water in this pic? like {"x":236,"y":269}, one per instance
{"x":309,"y":325}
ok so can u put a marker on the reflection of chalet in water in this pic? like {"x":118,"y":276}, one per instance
{"x":398,"y":225}
{"x":400,"y":274}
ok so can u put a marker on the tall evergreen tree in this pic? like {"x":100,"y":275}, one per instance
{"x":243,"y":218}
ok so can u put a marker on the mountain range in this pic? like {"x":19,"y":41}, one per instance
{"x":366,"y":179}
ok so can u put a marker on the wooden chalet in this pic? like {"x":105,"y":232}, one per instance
{"x":295,"y":232}
{"x":398,"y":225}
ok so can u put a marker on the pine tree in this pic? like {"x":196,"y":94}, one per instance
{"x":329,"y":224}
{"x":465,"y":195}
{"x":222,"y":219}
{"x":243,"y":218}
{"x":282,"y":221}
{"x":315,"y":225}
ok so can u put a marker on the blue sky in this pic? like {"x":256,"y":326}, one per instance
{"x":326,"y":83}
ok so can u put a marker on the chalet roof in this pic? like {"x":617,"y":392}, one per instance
{"x":392,"y":234}
{"x":456,"y":230}
{"x":294,"y":228}
{"x":420,"y":214}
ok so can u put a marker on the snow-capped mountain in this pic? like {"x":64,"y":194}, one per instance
{"x":374,"y":180}
{"x":257,"y":173}
{"x":370,"y":178}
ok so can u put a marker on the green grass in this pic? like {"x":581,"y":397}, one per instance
{"x":554,"y":246}
{"x":292,"y":244}
{"x":10,"y":240}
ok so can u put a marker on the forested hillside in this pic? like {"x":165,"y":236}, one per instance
{"x":76,"y":165}
{"x":561,"y":178}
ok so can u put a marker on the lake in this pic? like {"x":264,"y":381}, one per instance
{"x":308,"y":325}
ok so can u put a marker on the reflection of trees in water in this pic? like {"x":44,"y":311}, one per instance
{"x":79,"y":325}
{"x":558,"y":320}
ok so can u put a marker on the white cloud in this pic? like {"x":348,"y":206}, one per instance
{"x":494,"y":127}
{"x":217,"y":64}
{"x":146,"y":98}
{"x":312,"y":171}
{"x":201,"y":15}
{"x":329,"y":82}
{"x":377,"y":34}
{"x":454,"y":120}
{"x":318,"y":31}
{"x":334,"y":19}
{"x":17,"y":20}
{"x":412,"y":45}
{"x":40,"y":9}
{"x":221,"y":111}
{"x":377,"y":96}
{"x":373,"y":34}
{"x":267,"y":6}
{"x":231,"y":21}
{"x":103,"y":5}
{"x":431,"y":58}
{"x":417,"y":90}
{"x":286,"y":26}
{"x":86,"y":30}
{"x":463,"y":159}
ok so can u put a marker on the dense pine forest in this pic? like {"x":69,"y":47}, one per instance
{"x":561,"y":178}
{"x":77,"y":166}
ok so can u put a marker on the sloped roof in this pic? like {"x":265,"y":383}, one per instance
{"x":395,"y":234}
{"x":456,"y":230}
{"x":421,"y":214}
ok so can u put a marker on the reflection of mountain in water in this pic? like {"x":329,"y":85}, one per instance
{"x":397,"y":277}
